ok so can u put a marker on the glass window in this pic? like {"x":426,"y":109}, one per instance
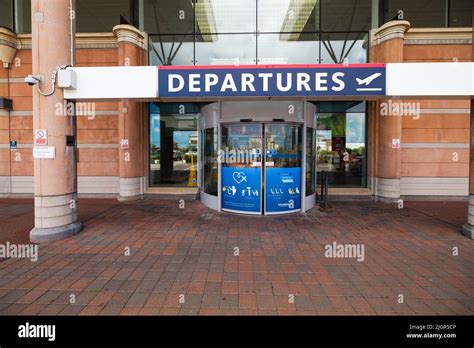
{"x":288,"y":16}
{"x":23,"y":16}
{"x":171,"y":49}
{"x":341,"y":143}
{"x":222,"y":49}
{"x":224,"y":16}
{"x":283,"y":144}
{"x":6,"y":11}
{"x":173,"y":145}
{"x":168,"y":16}
{"x":210,"y":165}
{"x":335,"y":47}
{"x":101,"y":16}
{"x":346,"y":15}
{"x":460,"y":13}
{"x":282,"y":49}
{"x":310,"y":162}
{"x":422,"y":14}
{"x":92,"y":15}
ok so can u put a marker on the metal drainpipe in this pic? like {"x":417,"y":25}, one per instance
{"x":10,"y":189}
{"x":73,"y":120}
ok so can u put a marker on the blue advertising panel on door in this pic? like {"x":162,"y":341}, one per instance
{"x":282,"y":189}
{"x":271,"y":80}
{"x":241,"y":189}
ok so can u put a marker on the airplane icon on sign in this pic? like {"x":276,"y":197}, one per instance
{"x":367,"y":81}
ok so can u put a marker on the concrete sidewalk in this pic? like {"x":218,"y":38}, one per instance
{"x":197,"y":261}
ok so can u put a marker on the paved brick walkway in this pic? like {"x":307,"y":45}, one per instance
{"x":187,"y":255}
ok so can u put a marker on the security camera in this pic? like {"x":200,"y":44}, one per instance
{"x":32,"y":80}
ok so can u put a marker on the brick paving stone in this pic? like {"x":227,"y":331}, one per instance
{"x":230,"y":287}
{"x":137,"y":299}
{"x":247,"y":301}
{"x":119,"y":299}
{"x":52,"y":309}
{"x":303,"y":303}
{"x":146,"y":286}
{"x":266,"y":302}
{"x":32,"y":309}
{"x":30,"y":296}
{"x":111,"y":310}
{"x":155,"y":300}
{"x":192,"y":301}
{"x":113,"y":285}
{"x":163,"y":287}
{"x":247,"y":288}
{"x":102,"y":298}
{"x":71,"y":309}
{"x":149,"y":311}
{"x":407,"y":252}
{"x":210,"y":301}
{"x":229,"y":301}
{"x":212,"y":287}
{"x":169,"y":311}
{"x":130,"y":310}
{"x":91,"y":310}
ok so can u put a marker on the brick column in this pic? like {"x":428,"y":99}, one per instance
{"x":468,"y":228}
{"x":385,"y":161}
{"x":55,"y":179}
{"x":131,"y":52}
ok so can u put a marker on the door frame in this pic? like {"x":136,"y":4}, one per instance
{"x":221,"y":125}
{"x":264,"y":166}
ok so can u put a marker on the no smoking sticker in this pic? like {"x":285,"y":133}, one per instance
{"x":41,"y":137}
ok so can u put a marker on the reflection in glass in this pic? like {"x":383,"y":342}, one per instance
{"x":341,"y":147}
{"x":173,"y":148}
{"x":101,"y":16}
{"x":341,"y":47}
{"x":168,"y":16}
{"x":310,"y":161}
{"x":421,"y":14}
{"x":273,"y":49}
{"x":210,"y":164}
{"x":224,"y":16}
{"x":6,"y":15}
{"x":171,"y":50}
{"x":23,"y":16}
{"x":288,"y":17}
{"x":460,"y":13}
{"x":241,"y":145}
{"x":283,"y":145}
{"x":226,"y":49}
{"x":346,"y":15}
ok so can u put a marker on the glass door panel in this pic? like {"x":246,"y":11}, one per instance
{"x":241,"y":159}
{"x":173,"y":147}
{"x":283,"y":149}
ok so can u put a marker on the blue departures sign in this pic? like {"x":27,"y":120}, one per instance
{"x":282,"y":189}
{"x":271,"y":80}
{"x":241,"y":189}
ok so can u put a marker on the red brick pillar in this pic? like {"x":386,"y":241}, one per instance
{"x":55,"y":179}
{"x":131,"y":52}
{"x":468,"y":228}
{"x":384,"y":158}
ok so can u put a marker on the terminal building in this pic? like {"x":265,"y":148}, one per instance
{"x":243,"y":103}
